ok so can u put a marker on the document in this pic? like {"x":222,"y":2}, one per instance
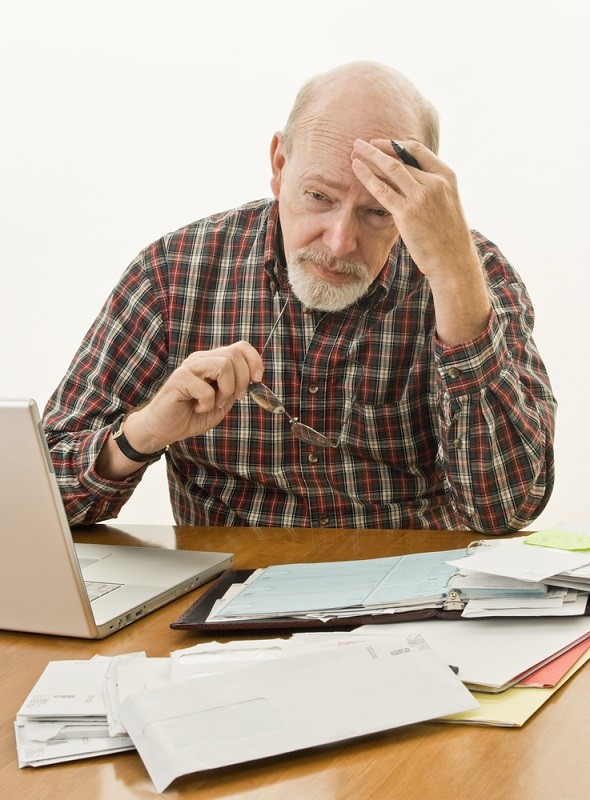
{"x":72,"y":712}
{"x":340,"y":588}
{"x":286,"y":704}
{"x":515,"y":706}
{"x":550,"y":674}
{"x":494,"y":654}
{"x":68,"y":690}
{"x":549,"y":606}
{"x":32,"y":753}
{"x":513,"y":558}
{"x":64,"y":717}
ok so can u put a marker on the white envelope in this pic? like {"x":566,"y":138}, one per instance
{"x":492,"y":653}
{"x":68,"y":689}
{"x":39,"y":754}
{"x":290,"y":703}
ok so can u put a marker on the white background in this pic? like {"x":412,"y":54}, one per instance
{"x":122,"y":120}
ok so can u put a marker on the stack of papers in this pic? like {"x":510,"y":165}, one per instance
{"x":500,"y":578}
{"x":534,"y":575}
{"x":64,"y":718}
{"x":219,"y":704}
{"x":213,"y":705}
{"x":340,"y":589}
{"x":494,"y":654}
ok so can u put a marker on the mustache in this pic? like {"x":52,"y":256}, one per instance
{"x":344,"y":266}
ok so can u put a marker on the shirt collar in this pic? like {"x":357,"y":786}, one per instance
{"x":274,"y":263}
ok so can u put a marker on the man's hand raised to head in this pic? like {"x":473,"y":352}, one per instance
{"x":425,"y":205}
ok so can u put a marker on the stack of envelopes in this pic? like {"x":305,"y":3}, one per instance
{"x":219,"y":704}
{"x":65,"y":715}
{"x":215,"y":705}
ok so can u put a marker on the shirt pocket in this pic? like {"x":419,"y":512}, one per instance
{"x":400,"y":435}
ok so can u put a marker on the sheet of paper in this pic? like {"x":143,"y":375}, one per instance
{"x":513,"y":558}
{"x":493,"y":653}
{"x":110,"y":690}
{"x":478,"y":584}
{"x":490,"y":608}
{"x":267,"y":707}
{"x":560,"y":539}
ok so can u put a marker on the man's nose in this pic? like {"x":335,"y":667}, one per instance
{"x":341,"y":235}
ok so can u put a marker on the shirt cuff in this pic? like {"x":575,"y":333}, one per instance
{"x":469,"y":367}
{"x":90,"y":479}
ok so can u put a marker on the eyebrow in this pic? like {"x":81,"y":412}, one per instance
{"x":325,"y":181}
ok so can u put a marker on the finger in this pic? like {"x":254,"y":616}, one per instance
{"x":388,"y":169}
{"x":385,"y":194}
{"x":231,"y":369}
{"x":200,"y":391}
{"x":244,"y":364}
{"x":427,"y":160}
{"x":253,"y":361}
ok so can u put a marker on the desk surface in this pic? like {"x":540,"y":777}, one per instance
{"x":547,"y":758}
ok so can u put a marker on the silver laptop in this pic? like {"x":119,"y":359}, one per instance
{"x":48,"y":584}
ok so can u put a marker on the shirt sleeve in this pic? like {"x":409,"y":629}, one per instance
{"x":497,"y":412}
{"x":120,"y":364}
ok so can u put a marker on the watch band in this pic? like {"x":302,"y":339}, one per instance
{"x":127,"y":449}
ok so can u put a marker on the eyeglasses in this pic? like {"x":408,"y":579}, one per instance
{"x":268,"y":400}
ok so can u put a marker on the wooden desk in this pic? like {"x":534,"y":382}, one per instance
{"x":547,"y":758}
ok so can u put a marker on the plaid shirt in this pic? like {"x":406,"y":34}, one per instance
{"x":429,"y":436}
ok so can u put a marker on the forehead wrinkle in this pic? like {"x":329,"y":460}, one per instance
{"x":322,"y":149}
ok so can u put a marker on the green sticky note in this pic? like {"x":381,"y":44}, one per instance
{"x":560,"y":540}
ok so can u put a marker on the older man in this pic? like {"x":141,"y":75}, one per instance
{"x":402,"y":387}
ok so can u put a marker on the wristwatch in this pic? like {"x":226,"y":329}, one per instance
{"x":125,"y":447}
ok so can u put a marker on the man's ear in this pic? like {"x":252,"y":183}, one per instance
{"x":277,"y":162}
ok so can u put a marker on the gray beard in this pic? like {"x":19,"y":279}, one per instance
{"x":315,"y":293}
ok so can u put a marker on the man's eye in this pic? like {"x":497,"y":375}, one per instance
{"x":317,"y":196}
{"x":379,"y":212}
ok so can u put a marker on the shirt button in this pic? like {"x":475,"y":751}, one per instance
{"x":312,"y":458}
{"x":324,"y":521}
{"x":313,"y":388}
{"x":453,"y":372}
{"x":306,"y":310}
{"x":273,"y":287}
{"x":457,"y":443}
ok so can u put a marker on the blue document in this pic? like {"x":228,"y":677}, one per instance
{"x":369,"y":585}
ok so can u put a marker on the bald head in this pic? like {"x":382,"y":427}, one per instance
{"x":366,"y":100}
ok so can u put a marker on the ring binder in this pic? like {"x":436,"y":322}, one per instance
{"x":473,"y":546}
{"x":453,"y":601}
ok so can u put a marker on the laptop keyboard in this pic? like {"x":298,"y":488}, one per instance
{"x":96,"y":589}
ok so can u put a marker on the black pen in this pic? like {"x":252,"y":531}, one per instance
{"x":404,"y":155}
